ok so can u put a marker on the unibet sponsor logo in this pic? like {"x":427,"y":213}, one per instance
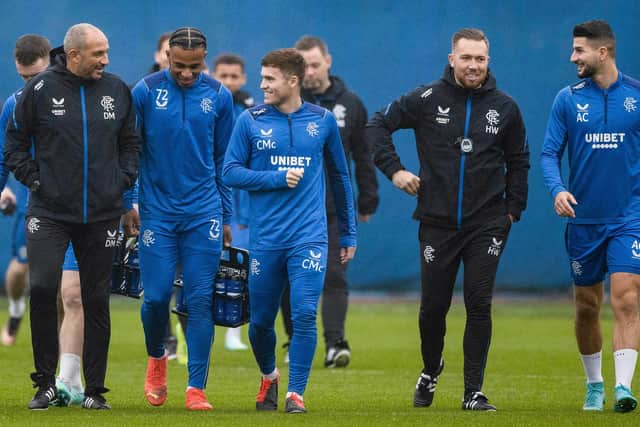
{"x":290,"y":162}
{"x":313,"y":262}
{"x":604,"y":140}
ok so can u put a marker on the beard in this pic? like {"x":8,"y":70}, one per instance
{"x":587,"y":72}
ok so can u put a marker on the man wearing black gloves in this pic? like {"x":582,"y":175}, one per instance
{"x":330,"y":92}
{"x":82,"y":126}
{"x":472,"y":186}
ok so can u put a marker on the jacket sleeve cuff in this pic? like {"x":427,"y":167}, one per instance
{"x":348,"y":242}
{"x":557,"y":190}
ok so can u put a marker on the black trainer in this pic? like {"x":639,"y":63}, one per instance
{"x":95,"y":402}
{"x":477,"y":401}
{"x":338,"y":355}
{"x":45,"y":396}
{"x":426,"y":387}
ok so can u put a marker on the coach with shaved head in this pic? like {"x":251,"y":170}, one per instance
{"x":81,"y":124}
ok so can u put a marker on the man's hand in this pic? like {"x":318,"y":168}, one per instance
{"x":226,"y":235}
{"x":294,"y":176}
{"x":131,"y":223}
{"x":8,"y":201}
{"x":364,"y":218}
{"x":563,"y":203}
{"x":347,"y":254}
{"x":406,"y":181}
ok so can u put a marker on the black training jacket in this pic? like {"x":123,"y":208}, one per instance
{"x":351,"y":116}
{"x":458,"y":188}
{"x":85,"y":142}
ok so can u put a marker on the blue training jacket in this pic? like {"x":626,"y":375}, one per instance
{"x":185,"y":131}
{"x":264,"y":145}
{"x":602,"y":129}
{"x":21,"y":192}
{"x":7,"y":113}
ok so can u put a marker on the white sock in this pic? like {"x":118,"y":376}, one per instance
{"x":289,"y":393}
{"x":17,"y":307}
{"x":70,"y":370}
{"x":592,"y":364}
{"x":232,"y":334}
{"x":624,"y":361}
{"x":272,"y":376}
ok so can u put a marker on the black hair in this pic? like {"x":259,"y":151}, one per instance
{"x":188,"y":38}
{"x":597,"y":31}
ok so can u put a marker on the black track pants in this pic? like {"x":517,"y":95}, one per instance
{"x":93,"y":244}
{"x":441,"y":251}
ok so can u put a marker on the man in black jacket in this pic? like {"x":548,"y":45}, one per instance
{"x":82,"y":126}
{"x":330,"y":92}
{"x":471,"y":187}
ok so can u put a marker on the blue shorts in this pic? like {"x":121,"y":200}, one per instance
{"x":70,"y":261}
{"x":19,"y":243}
{"x":597,"y":249}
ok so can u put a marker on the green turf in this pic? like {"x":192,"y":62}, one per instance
{"x":533,"y":376}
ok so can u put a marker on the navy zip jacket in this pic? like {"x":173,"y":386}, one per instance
{"x":265,"y":144}
{"x":458,"y":188}
{"x":85,"y":142}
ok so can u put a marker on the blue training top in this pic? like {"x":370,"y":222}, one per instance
{"x":185,"y":131}
{"x":264,"y":145}
{"x":602,"y":130}
{"x":21,"y":192}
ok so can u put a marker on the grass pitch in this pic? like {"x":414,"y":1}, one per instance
{"x":534,"y":375}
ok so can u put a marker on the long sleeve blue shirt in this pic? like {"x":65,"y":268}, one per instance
{"x":264,"y":145}
{"x":601,"y":129}
{"x":186,"y":131}
{"x":21,"y":192}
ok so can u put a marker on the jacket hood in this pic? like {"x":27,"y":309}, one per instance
{"x":488,"y":84}
{"x":57,"y":57}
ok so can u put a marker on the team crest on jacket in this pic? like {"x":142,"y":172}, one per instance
{"x":312,"y":129}
{"x":493,"y":120}
{"x":340,"y":112}
{"x":108,"y":106}
{"x":630,"y":104}
{"x":207,"y":105}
